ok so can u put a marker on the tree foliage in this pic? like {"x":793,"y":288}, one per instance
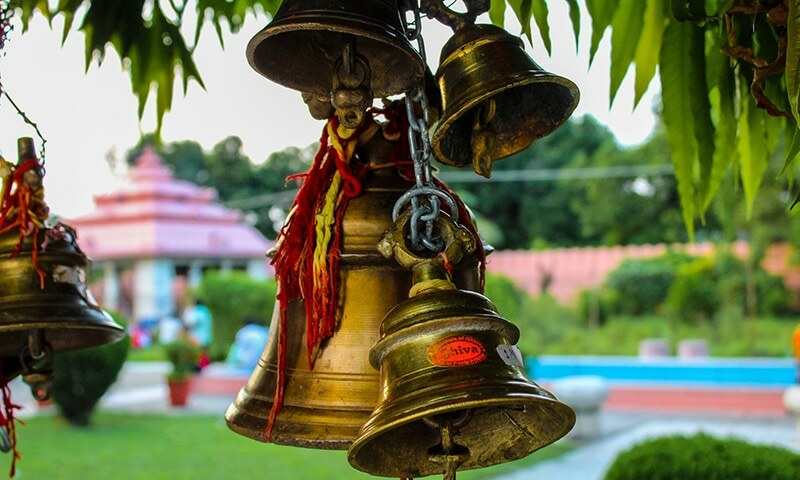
{"x":729,"y":69}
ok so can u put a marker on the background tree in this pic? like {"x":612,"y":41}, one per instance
{"x":729,"y":70}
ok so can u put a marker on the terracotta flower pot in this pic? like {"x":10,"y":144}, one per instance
{"x":179,"y":391}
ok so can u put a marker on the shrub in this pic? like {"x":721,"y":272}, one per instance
{"x":593,"y":307}
{"x":705,"y":285}
{"x":702,"y":456}
{"x":82,"y":377}
{"x":639,"y":285}
{"x":505,"y":294}
{"x":184,"y":357}
{"x":231,"y":297}
{"x":694,"y":295}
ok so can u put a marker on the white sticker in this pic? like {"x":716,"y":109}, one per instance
{"x":511,"y":355}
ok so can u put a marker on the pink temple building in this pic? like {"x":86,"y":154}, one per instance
{"x":156,"y":236}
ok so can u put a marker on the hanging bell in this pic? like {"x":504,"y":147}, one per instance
{"x":301,"y":46}
{"x":45,"y":306}
{"x":496,"y":99}
{"x":454,"y":394}
{"x":325,"y":407}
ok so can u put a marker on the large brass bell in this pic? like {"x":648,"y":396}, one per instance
{"x":496,"y":99}
{"x":454,"y":394}
{"x":300,"y":47}
{"x":325,"y":407}
{"x":45,"y":306}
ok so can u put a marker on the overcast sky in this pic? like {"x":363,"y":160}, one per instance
{"x":87,"y":116}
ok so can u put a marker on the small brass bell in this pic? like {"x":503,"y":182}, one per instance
{"x":496,"y":99}
{"x":300,"y":47}
{"x":325,"y":407}
{"x":45,"y":306}
{"x":454,"y":393}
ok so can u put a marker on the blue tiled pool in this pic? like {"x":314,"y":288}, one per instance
{"x":766,"y":372}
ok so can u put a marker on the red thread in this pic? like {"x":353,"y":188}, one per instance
{"x":8,"y":422}
{"x":294,"y":254}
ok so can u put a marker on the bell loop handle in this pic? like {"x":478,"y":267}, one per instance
{"x":437,"y":10}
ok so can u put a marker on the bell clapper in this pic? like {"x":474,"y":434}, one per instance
{"x":448,"y":453}
{"x":351,"y":95}
{"x":37,"y":365}
{"x":484,"y":138}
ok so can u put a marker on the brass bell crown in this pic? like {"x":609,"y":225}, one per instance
{"x":300,"y":47}
{"x":496,"y":99}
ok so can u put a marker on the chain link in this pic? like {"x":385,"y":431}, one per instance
{"x":424,"y":197}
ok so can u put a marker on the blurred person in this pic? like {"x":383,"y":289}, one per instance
{"x":169,"y":328}
{"x":197,"y":318}
{"x":249,"y":344}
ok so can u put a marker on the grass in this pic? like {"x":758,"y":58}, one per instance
{"x":154,"y":447}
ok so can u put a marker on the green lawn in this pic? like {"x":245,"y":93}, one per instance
{"x":152,"y":447}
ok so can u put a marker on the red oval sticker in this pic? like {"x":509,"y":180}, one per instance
{"x":456,"y":351}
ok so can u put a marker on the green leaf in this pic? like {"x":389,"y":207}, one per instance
{"x":794,"y":150}
{"x":601,"y":11}
{"x":626,"y":29}
{"x":575,"y":19}
{"x":701,"y":108}
{"x":752,"y":149}
{"x":497,"y":12}
{"x":540,"y":12}
{"x":522,"y":9}
{"x":722,"y":99}
{"x":793,"y":57}
{"x":681,"y":67}
{"x":646,"y":56}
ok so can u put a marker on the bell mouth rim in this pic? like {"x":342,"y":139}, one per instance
{"x":538,"y":77}
{"x":366,"y":436}
{"x":274,"y":29}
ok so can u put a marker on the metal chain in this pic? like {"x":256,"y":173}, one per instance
{"x":424,"y":196}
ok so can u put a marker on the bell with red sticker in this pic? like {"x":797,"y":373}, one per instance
{"x":449,"y":399}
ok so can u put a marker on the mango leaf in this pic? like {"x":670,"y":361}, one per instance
{"x":677,"y":81}
{"x":646,"y":56}
{"x":752,"y":149}
{"x":717,"y":7}
{"x":794,"y":150}
{"x":688,"y":10}
{"x":722,"y":99}
{"x":231,"y":12}
{"x":626,"y":29}
{"x":575,"y":19}
{"x":701,"y":108}
{"x":540,"y":11}
{"x":601,"y":11}
{"x":28,"y":8}
{"x":793,"y":57}
{"x":497,"y":12}
{"x":522,"y":9}
{"x":67,"y":8}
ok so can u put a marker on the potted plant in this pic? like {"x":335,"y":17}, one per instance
{"x":184,"y":356}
